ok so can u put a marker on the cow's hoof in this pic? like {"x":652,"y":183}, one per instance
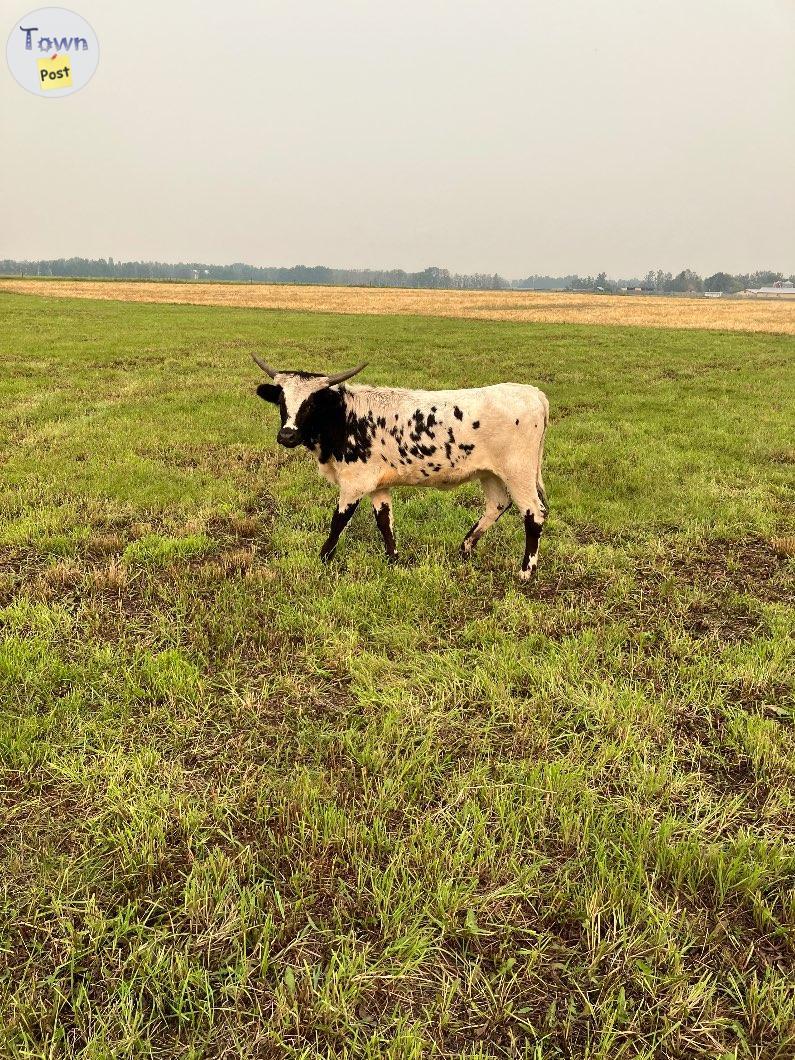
{"x":326,"y":558}
{"x":527,"y":575}
{"x":392,"y":559}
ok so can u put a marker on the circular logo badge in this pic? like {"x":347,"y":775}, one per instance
{"x":52,"y":52}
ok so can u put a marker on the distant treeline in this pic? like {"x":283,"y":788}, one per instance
{"x":433,"y":277}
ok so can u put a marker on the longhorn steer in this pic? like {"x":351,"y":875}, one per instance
{"x":367,"y":439}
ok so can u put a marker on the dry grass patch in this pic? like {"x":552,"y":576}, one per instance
{"x":546,"y":307}
{"x":784,"y":546}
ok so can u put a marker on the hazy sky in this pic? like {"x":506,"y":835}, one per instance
{"x":516,"y":137}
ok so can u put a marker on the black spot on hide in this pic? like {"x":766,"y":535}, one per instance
{"x":360,"y":434}
{"x":330,"y":427}
{"x":420,"y":425}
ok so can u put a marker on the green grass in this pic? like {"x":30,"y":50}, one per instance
{"x":254,"y":807}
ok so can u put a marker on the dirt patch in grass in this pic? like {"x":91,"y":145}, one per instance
{"x":40,"y":816}
{"x":218,"y":460}
{"x":95,"y":570}
{"x":720,"y":572}
{"x":719,"y":618}
{"x":595,"y":535}
{"x":751,"y":565}
{"x":19,"y":567}
{"x":769,"y":699}
{"x":579,"y":600}
{"x":587,"y":600}
{"x":238,"y":530}
{"x":564,"y":411}
{"x":704,"y":748}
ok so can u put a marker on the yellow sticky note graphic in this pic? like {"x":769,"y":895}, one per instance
{"x":55,"y":72}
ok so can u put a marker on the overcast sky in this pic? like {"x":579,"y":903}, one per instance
{"x":511,"y":136}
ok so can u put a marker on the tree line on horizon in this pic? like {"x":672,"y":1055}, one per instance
{"x":433,"y":277}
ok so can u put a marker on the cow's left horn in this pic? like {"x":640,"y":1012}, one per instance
{"x":265,"y":367}
{"x":340,"y":377}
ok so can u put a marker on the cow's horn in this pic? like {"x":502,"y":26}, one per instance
{"x":340,"y":377}
{"x":265,"y":367}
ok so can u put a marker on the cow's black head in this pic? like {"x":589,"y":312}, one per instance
{"x":297,"y":395}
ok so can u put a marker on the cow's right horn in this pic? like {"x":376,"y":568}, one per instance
{"x":265,"y":367}
{"x":340,"y":377}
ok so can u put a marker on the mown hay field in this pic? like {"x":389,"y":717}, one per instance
{"x":546,"y":307}
{"x":254,"y":807}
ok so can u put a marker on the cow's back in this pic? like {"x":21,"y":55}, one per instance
{"x":439,"y":437}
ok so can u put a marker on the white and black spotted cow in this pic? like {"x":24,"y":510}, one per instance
{"x":367,"y":439}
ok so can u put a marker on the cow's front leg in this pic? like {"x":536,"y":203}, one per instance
{"x":342,"y":516}
{"x":382,"y":507}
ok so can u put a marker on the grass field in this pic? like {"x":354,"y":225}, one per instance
{"x":539,"y":307}
{"x":253,"y":807}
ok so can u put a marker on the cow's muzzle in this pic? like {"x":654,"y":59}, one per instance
{"x":288,"y":437}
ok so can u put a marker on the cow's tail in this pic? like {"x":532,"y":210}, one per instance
{"x":542,"y":495}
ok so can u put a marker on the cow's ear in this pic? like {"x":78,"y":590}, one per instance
{"x":269,"y":392}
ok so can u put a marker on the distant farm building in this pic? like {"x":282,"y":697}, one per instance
{"x":780,"y":289}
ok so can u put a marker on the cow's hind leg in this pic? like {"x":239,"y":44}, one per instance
{"x":382,"y":507}
{"x":498,"y":502}
{"x":533,"y":510}
{"x":342,"y":516}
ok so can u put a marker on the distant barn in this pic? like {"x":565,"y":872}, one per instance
{"x":781,"y":289}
